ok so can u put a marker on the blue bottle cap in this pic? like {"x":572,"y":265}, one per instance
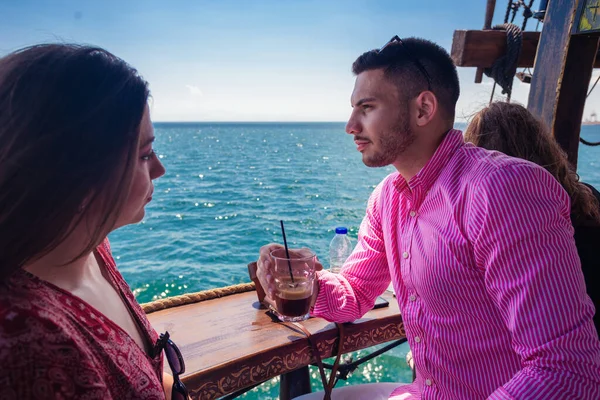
{"x":341,"y":230}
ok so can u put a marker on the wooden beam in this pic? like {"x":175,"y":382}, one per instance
{"x":477,"y":48}
{"x":559,"y":86}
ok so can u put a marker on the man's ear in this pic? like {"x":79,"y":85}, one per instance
{"x":427,"y":107}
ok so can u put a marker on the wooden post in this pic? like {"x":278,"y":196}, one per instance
{"x":563,"y":68}
{"x":573,"y":92}
{"x":487,"y":24}
{"x":294,"y":384}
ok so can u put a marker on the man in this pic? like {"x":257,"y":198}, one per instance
{"x":478,"y":245}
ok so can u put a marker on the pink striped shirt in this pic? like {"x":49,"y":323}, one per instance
{"x":479,"y":247}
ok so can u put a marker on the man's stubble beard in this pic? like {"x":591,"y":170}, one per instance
{"x":392,"y":144}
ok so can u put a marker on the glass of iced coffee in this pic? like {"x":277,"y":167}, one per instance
{"x":294,"y":277}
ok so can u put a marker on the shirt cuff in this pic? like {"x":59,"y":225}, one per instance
{"x":321,"y":306}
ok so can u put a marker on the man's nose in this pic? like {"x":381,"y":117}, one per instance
{"x":353,"y":127}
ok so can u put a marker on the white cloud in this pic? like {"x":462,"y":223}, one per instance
{"x":194,"y":90}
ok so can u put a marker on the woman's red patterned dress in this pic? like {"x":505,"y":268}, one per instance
{"x":53,"y":345}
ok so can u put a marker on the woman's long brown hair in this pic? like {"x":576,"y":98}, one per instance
{"x":511,"y":129}
{"x":69,"y":129}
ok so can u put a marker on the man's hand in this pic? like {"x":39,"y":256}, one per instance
{"x":265,"y":270}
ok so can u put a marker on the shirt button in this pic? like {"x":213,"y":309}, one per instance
{"x":418,"y":339}
{"x":428,"y":382}
{"x":405,"y":254}
{"x":412,"y":297}
{"x":412,"y":213}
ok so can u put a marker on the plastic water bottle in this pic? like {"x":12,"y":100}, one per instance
{"x":339,"y":249}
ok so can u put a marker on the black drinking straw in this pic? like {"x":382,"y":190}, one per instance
{"x":287,"y":253}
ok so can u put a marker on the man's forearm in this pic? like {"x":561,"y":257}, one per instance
{"x":546,"y":384}
{"x":339,"y":299}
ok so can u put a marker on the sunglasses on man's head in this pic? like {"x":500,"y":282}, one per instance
{"x":175,"y":360}
{"x":420,"y":66}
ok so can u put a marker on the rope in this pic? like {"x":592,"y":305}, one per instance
{"x":527,"y":13}
{"x":514,"y":6}
{"x":504,"y":68}
{"x":328,"y":384}
{"x":492,"y":95}
{"x":592,"y":89}
{"x":197,"y":297}
{"x":582,"y":140}
{"x":508,"y":7}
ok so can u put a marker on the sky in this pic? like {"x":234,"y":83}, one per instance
{"x":252,"y":60}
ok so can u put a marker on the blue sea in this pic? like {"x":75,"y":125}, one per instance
{"x":227,"y":186}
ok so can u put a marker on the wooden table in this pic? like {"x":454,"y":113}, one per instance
{"x":230,"y":343}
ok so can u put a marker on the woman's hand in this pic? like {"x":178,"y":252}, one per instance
{"x":167,"y":385}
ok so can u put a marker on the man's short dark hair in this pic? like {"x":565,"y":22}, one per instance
{"x":400,"y":60}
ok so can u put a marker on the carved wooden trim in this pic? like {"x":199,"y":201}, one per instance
{"x":223,"y":380}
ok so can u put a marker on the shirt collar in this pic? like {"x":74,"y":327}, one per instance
{"x":425,"y":178}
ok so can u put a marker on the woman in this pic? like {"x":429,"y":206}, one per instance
{"x":511,"y":129}
{"x":76,"y":162}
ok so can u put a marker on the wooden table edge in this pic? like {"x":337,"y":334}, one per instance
{"x":249,"y":370}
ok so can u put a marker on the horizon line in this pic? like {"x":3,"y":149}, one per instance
{"x":246,"y":122}
{"x":259,"y":122}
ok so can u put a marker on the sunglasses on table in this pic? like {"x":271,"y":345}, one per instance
{"x":415,"y":60}
{"x":175,"y":360}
